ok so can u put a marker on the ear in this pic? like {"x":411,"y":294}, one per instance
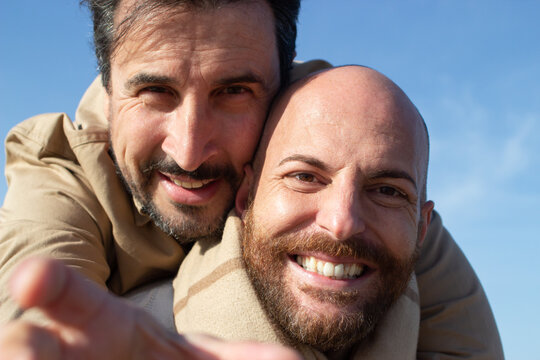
{"x":242,"y":194}
{"x":425,"y":214}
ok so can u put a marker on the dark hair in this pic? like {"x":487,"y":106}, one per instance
{"x":107,"y":38}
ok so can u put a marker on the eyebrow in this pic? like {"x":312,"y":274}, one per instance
{"x":394,"y":174}
{"x":146,"y":78}
{"x":306,"y":159}
{"x":380,"y":174}
{"x":247,"y":78}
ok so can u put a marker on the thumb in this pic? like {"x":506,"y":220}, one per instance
{"x":55,"y":289}
{"x":37,"y":282}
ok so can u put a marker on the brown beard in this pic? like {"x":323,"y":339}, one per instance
{"x":266,"y":258}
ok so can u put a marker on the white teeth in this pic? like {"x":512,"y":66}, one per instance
{"x":312,"y":264}
{"x":329,"y":269}
{"x":339,"y":271}
{"x":320,"y":267}
{"x":194,"y":184}
{"x":354,"y":269}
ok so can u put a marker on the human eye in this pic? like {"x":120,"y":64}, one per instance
{"x":304,"y":177}
{"x":389,"y":196}
{"x":306,"y":182}
{"x":234,"y":90}
{"x":391,"y":192}
{"x":157,"y":90}
{"x":236,"y":97}
{"x":158,"y":97}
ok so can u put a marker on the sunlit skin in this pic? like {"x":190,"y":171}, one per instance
{"x":345,"y":161}
{"x":189,"y":91}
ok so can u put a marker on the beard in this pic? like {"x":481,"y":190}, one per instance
{"x":359,"y":311}
{"x":190,"y":223}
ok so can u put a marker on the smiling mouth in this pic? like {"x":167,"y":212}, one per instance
{"x":328,"y":269}
{"x":191,"y":184}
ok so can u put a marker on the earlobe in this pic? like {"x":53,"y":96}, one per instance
{"x":242,"y":196}
{"x":426,"y":212}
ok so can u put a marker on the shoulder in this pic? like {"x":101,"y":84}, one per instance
{"x":52,"y":134}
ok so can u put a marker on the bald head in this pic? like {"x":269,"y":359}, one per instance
{"x":349,"y":96}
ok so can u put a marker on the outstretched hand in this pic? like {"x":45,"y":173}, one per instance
{"x":89,"y":323}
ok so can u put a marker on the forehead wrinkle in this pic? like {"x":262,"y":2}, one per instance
{"x":165,"y":19}
{"x":134,"y":23}
{"x":310,"y":160}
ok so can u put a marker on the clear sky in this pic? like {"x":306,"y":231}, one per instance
{"x":472,"y":67}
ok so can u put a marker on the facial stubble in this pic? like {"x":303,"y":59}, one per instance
{"x":191,"y":223}
{"x":266,"y":259}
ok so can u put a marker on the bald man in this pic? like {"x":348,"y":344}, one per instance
{"x":329,"y":225}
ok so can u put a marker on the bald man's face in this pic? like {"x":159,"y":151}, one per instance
{"x":336,"y":220}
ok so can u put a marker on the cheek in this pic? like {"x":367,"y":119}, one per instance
{"x":133,"y":141}
{"x":284,"y":213}
{"x":397,"y":231}
{"x":240,"y":137}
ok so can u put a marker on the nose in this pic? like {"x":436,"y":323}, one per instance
{"x":340,"y":212}
{"x":190,"y":139}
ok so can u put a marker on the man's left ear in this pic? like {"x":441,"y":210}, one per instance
{"x":242,"y":195}
{"x":425,"y":213}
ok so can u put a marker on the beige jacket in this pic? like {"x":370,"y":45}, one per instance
{"x":65,"y":200}
{"x":213,"y":294}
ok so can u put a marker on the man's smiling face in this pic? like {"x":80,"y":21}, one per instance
{"x":337,"y":215}
{"x":187,"y":101}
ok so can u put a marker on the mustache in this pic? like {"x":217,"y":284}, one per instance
{"x":354,"y":247}
{"x":203,"y":172}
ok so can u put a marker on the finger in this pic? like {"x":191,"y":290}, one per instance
{"x":36,"y":282}
{"x":88,"y":321}
{"x":21,"y":340}
{"x":224,"y":350}
{"x":57,"y":290}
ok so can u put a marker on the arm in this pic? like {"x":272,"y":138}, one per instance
{"x":49,"y":208}
{"x":87,"y":322}
{"x":456,"y":319}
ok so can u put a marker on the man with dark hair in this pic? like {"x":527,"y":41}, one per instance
{"x":188,"y":85}
{"x":108,"y":37}
{"x":121,"y":197}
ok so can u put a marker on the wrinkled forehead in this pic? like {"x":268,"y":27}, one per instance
{"x":132,"y":9}
{"x":136,"y":21}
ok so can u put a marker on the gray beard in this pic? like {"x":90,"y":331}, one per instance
{"x":195,"y":227}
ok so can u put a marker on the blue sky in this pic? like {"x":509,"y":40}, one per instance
{"x":471,"y":67}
